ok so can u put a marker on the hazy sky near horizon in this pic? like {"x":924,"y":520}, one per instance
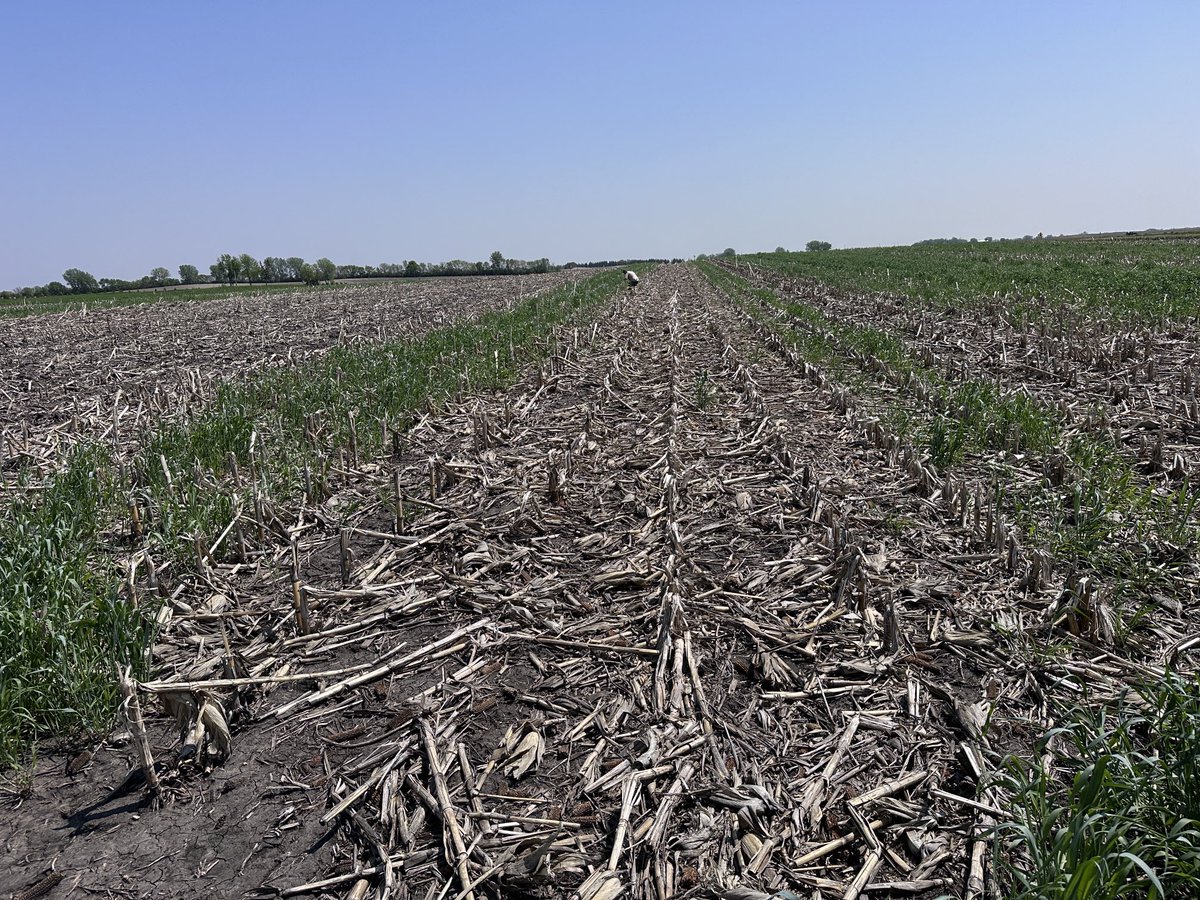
{"x":146,"y":134}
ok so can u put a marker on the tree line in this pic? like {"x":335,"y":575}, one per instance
{"x":228,"y":269}
{"x":242,"y":268}
{"x":730,"y":253}
{"x":496,"y":264}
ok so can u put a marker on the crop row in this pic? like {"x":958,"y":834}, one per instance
{"x":170,"y":504}
{"x":1071,"y":493}
{"x":1085,"y":366}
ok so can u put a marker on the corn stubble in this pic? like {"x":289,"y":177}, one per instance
{"x":733,"y":593}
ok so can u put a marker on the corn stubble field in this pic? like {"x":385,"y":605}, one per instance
{"x":731,"y":585}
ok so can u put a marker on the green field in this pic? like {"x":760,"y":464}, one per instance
{"x":1131,"y":279}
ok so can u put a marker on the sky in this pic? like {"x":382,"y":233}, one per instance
{"x":140,"y":134}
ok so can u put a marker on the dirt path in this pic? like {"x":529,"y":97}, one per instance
{"x":659,"y":620}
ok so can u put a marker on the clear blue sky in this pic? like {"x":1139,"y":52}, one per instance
{"x":145,"y":134}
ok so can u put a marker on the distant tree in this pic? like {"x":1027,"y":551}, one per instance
{"x":326,"y":269}
{"x":700,"y":257}
{"x":780,"y":250}
{"x":308,"y":274}
{"x":189,"y":274}
{"x":273,"y":268}
{"x":497,"y":259}
{"x":227,"y":268}
{"x":80,"y":282}
{"x":250,"y":268}
{"x":57,"y":289}
{"x":159,"y":275}
{"x":814,"y":246}
{"x":293,"y":268}
{"x":412,"y":268}
{"x":728,"y":251}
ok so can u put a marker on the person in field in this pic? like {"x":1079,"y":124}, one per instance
{"x":631,"y":278}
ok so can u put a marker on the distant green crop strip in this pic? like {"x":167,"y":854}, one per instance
{"x":63,"y":623}
{"x":1129,"y":280}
